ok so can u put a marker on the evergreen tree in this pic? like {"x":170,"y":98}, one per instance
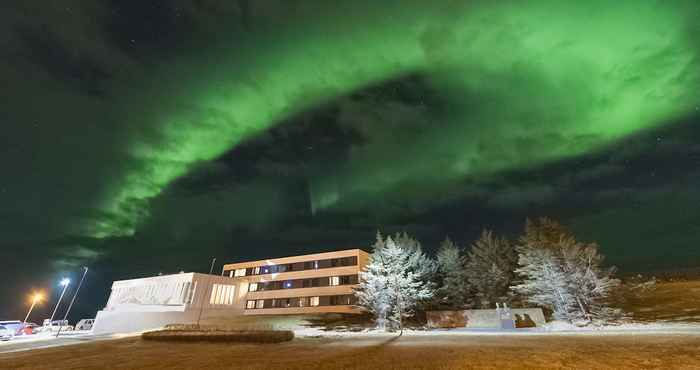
{"x":564,"y":275}
{"x":545,"y":283}
{"x":591,"y":285}
{"x":373,"y":292}
{"x":490,"y":270}
{"x":390,"y":286}
{"x":450,"y":276}
{"x":419,"y":263}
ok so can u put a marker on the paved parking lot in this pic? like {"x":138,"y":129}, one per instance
{"x":47,"y":340}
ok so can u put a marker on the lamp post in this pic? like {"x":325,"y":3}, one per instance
{"x":64,"y":283}
{"x":37,"y":297}
{"x":206,"y":291}
{"x":77,"y":289}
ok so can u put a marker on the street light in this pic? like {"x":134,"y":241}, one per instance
{"x":64,"y":283}
{"x":77,"y":289}
{"x":36,"y":298}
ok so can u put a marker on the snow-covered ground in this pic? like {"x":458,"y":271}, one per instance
{"x":45,"y":336}
{"x":552,"y":328}
{"x":48,"y":340}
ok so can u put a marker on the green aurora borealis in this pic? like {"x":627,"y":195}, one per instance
{"x":528,"y":84}
{"x":149,"y":136}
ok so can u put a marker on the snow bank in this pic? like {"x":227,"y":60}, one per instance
{"x":551,"y":328}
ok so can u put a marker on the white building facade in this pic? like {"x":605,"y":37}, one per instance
{"x":148,"y":303}
{"x":278,"y":288}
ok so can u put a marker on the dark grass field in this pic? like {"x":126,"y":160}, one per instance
{"x":675,"y":301}
{"x":592,"y":351}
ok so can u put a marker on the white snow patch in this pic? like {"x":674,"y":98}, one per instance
{"x":551,"y":328}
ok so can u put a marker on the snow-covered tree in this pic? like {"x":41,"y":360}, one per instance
{"x":419,"y":263}
{"x":544,"y":283}
{"x":490,"y":270}
{"x":450,"y":277}
{"x":389,"y":286}
{"x":373,"y":293}
{"x":564,"y":275}
{"x":590,"y":283}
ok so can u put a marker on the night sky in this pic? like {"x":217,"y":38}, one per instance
{"x":141,"y":136}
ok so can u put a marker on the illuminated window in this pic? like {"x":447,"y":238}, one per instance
{"x":230,"y":294}
{"x":260,"y":303}
{"x":214,"y":292}
{"x":239,"y":272}
{"x":250,"y":304}
{"x":334,"y":280}
{"x":256,"y":270}
{"x":222,"y":294}
{"x":253,"y":287}
{"x":314,"y":301}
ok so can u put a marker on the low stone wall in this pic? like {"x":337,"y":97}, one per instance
{"x":446,"y":319}
{"x":108,"y":322}
{"x":485,"y":319}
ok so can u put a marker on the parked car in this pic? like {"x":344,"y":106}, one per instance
{"x":84,"y":324}
{"x":14,"y":325}
{"x":28,"y":329}
{"x":53,"y":326}
{"x":6,"y":333}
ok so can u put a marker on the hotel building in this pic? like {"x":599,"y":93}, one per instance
{"x":300,"y":285}
{"x":313,"y":283}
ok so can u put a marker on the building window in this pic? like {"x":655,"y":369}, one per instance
{"x":191,"y":292}
{"x":222,"y":294}
{"x":297,"y":266}
{"x":334,"y":300}
{"x":239,"y":272}
{"x":214,"y":292}
{"x":303,"y":283}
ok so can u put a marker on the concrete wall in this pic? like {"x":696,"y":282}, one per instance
{"x":484,"y":319}
{"x":130,"y":322}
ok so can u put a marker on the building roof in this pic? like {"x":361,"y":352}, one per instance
{"x":293,"y":259}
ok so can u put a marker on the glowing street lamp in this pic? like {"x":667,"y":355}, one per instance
{"x":64,"y":283}
{"x":36,"y":298}
{"x":77,"y":289}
